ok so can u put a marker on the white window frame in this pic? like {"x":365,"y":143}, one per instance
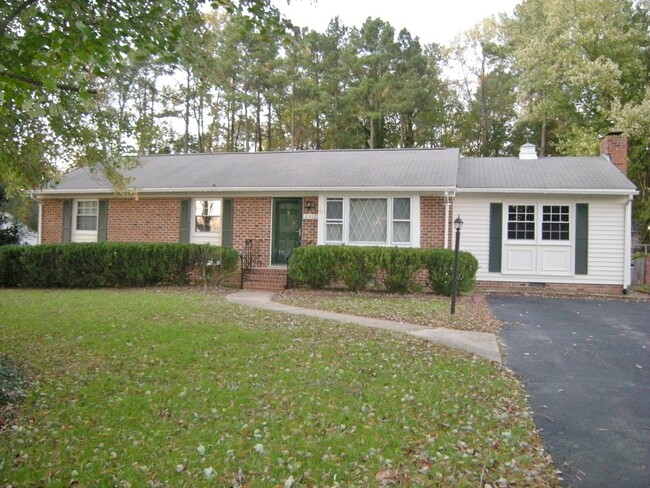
{"x":205,"y":237}
{"x":79,"y":235}
{"x":525,"y":222}
{"x":332,"y":221}
{"x":538,"y":257}
{"x":414,"y":219}
{"x":538,"y":222}
{"x":569,"y":222}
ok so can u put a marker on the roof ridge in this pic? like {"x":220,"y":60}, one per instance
{"x":304,"y":151}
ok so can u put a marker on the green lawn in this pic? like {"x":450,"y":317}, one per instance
{"x":472,"y":311}
{"x":179,"y":388}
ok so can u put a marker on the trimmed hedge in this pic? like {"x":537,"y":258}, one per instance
{"x":399,"y":266}
{"x":440,"y":265}
{"x":111,"y":264}
{"x":396,"y":268}
{"x":314,"y":266}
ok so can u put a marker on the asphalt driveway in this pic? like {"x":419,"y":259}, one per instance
{"x":586,"y":367}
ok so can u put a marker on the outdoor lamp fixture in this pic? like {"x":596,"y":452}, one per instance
{"x":309,"y":205}
{"x":458,"y":224}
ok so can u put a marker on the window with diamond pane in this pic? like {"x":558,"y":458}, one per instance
{"x":334,"y":209}
{"x":401,"y":220}
{"x":334,"y":220}
{"x":334,"y":233}
{"x":401,"y":232}
{"x":368,"y":220}
{"x":401,"y":209}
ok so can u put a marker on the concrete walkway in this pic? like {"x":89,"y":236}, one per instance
{"x":480,"y":343}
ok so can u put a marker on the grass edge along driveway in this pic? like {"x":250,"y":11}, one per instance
{"x":162,"y":387}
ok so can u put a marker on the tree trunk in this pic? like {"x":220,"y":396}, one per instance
{"x":186,"y":141}
{"x":542,"y":144}
{"x":258,"y":123}
{"x":269,"y":132}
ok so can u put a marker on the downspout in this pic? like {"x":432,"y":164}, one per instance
{"x":627,"y":262}
{"x":40,"y":224}
{"x":446,"y":241}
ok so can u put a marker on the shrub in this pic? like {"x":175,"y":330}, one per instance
{"x":211,"y":264}
{"x":399,"y":266}
{"x":111,"y":264}
{"x":318,"y":266}
{"x":440,"y":265}
{"x":314,"y":266}
{"x":10,"y":265}
{"x":357,"y":265}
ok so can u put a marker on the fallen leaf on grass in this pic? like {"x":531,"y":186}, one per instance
{"x":386,"y":474}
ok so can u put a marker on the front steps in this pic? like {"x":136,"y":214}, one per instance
{"x":267,"y":279}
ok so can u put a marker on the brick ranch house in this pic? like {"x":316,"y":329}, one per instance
{"x":557,"y":222}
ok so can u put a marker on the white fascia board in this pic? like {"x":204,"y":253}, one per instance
{"x":550,"y":191}
{"x":244,"y":190}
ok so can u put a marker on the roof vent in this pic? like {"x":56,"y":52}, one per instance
{"x":528,"y":151}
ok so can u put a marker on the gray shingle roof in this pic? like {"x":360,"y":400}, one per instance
{"x":554,"y":173}
{"x":276,"y":171}
{"x":387,"y":169}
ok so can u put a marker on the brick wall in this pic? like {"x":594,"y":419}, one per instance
{"x":144,"y":220}
{"x":549,"y":288}
{"x":252,"y":220}
{"x":129,"y":220}
{"x":432,"y":222}
{"x":614,"y":145}
{"x":310,"y":227}
{"x":52,"y":224}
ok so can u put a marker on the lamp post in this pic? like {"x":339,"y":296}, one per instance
{"x":458,"y":224}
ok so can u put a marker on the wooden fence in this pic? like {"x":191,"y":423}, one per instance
{"x":641,"y":271}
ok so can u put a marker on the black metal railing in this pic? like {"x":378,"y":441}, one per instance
{"x":246,"y":258}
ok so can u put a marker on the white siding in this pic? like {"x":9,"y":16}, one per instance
{"x":606,"y":236}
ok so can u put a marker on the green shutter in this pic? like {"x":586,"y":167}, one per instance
{"x":102,"y":221}
{"x":185,"y":221}
{"x":66,"y":235}
{"x":582,"y":238}
{"x":496,"y":237}
{"x":226,"y":223}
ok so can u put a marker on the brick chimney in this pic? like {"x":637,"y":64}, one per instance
{"x":614,"y":147}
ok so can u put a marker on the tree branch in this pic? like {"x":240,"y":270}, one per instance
{"x":16,"y":11}
{"x":61,"y":86}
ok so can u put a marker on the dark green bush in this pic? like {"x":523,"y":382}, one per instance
{"x":314,"y":266}
{"x":10,"y":265}
{"x":440,"y":265}
{"x":318,"y":266}
{"x":112,"y":264}
{"x":399,"y":266}
{"x":357,"y":266}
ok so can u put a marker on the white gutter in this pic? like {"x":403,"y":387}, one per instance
{"x":40,"y":224}
{"x":627,"y":261}
{"x":552,"y":191}
{"x":447,"y":204}
{"x":243,"y":189}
